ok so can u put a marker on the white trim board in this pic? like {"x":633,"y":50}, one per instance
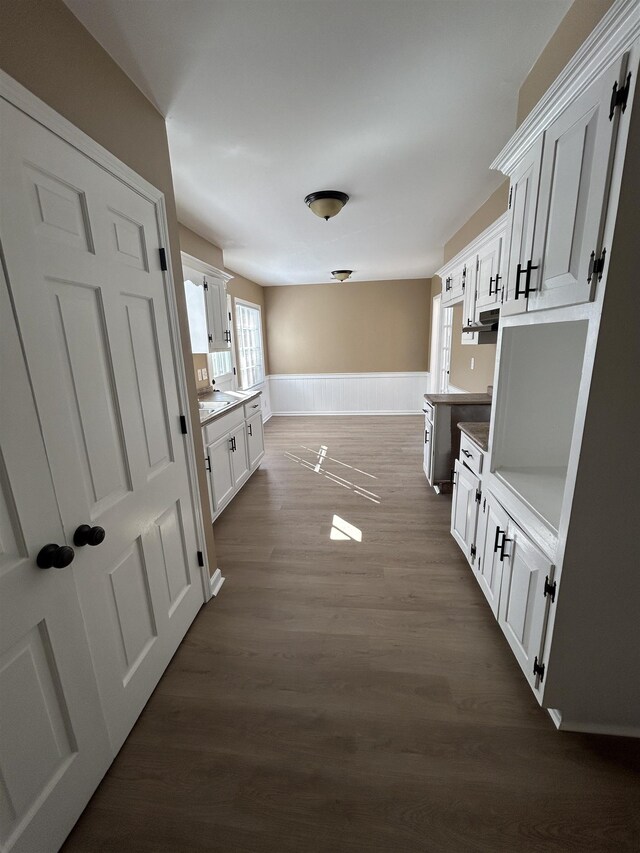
{"x":15,"y":93}
{"x":348,"y":393}
{"x":215,"y":582}
{"x":615,"y":33}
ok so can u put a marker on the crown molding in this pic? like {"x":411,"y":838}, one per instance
{"x":615,"y":33}
{"x":494,"y":230}
{"x":202,"y":266}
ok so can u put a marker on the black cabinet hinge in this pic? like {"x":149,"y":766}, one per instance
{"x":200,"y":559}
{"x":473,"y":551}
{"x":183,"y":425}
{"x":163,"y":260}
{"x":510,"y":196}
{"x":619,"y":97}
{"x":596,"y":266}
{"x":549,"y":589}
{"x":538,"y":668}
{"x":478,"y":496}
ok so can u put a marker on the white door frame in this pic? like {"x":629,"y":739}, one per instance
{"x":32,"y":106}
{"x":434,"y":355}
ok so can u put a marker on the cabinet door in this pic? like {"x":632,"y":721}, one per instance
{"x":255,"y":440}
{"x":578,"y":148}
{"x":523,"y":199}
{"x":239,"y":456}
{"x":221,"y":475}
{"x":427,"y":462}
{"x":489,"y":276}
{"x":492,"y":526}
{"x":464,"y":509}
{"x":523,"y":605}
{"x":217,"y":315}
{"x":452,"y":290}
{"x":469,"y":303}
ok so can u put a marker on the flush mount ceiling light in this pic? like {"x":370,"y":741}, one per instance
{"x":341,"y":275}
{"x":326,"y":203}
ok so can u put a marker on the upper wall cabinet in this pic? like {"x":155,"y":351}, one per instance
{"x":452,"y":286}
{"x":556,"y":252}
{"x":206,"y":292}
{"x":469,"y":288}
{"x":489,"y":275}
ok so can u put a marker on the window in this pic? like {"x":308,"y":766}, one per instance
{"x":249,"y":340}
{"x":221,"y":367}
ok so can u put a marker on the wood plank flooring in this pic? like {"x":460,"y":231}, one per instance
{"x":345,"y":696}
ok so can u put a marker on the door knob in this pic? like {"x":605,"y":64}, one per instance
{"x":86,"y":535}
{"x":55,"y":556}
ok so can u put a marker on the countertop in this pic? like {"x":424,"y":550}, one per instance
{"x":211,"y":396}
{"x":458,"y":399}
{"x":477,"y":432}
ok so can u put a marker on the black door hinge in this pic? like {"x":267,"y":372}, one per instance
{"x":234,"y":371}
{"x":478,"y":496}
{"x":473,"y":550}
{"x":596,"y":266}
{"x":163,"y":259}
{"x":183,"y":425}
{"x":538,"y":668}
{"x":549,"y":589}
{"x":204,"y":284}
{"x":510,"y":196}
{"x":464,"y":277}
{"x":200,"y":559}
{"x":210,"y":336}
{"x":619,"y":97}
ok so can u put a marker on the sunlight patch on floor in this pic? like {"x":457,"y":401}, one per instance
{"x":342,"y":530}
{"x":319,"y":466}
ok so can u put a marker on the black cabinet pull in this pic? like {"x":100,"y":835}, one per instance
{"x":55,"y":556}
{"x":502,"y":544}
{"x":466,"y":453}
{"x":495,"y":541}
{"x":250,"y":426}
{"x":86,"y":535}
{"x":491,"y":286}
{"x":233,"y":443}
{"x":426,"y":436}
{"x":527,"y":280}
{"x":207,"y":462}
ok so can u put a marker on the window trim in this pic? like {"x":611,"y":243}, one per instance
{"x":245,"y":302}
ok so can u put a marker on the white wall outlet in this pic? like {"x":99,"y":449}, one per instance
{"x":199,"y":375}
{"x":205,"y":375}
{"x":473,"y":363}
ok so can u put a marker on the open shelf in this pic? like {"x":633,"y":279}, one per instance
{"x":537,"y":394}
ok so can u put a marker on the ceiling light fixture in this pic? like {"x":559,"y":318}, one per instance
{"x":326,"y":203}
{"x":341,"y":275}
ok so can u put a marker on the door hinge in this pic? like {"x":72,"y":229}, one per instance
{"x":200,"y":559}
{"x":210,"y":336}
{"x":538,"y":668}
{"x":464,"y":277}
{"x":183,"y":425}
{"x":619,"y":97}
{"x":473,"y":551}
{"x":163,"y":259}
{"x":478,"y":496}
{"x":234,"y":371}
{"x":477,"y":264}
{"x":510,"y":196}
{"x":205,"y":284}
{"x":596,"y":266}
{"x":549,"y":589}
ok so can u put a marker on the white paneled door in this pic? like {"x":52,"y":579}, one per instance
{"x":90,"y":303}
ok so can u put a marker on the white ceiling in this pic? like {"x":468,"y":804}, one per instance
{"x":402,"y":104}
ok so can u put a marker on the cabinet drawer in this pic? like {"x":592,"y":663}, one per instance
{"x":222,"y":425}
{"x":471,"y":454}
{"x":253,"y":406}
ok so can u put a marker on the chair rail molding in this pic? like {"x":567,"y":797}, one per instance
{"x":615,"y":33}
{"x":348,"y":393}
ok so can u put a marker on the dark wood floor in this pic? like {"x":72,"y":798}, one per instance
{"x":344,"y":695}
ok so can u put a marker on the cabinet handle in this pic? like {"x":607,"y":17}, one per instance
{"x":233,"y":443}
{"x":426,"y":436}
{"x":527,"y":280}
{"x":250,"y":426}
{"x":207,"y":462}
{"x":495,"y":541}
{"x":466,"y":453}
{"x":502,"y":544}
{"x":491,"y":286}
{"x":255,"y":406}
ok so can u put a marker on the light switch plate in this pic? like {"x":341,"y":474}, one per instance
{"x":205,"y":375}
{"x":199,"y":375}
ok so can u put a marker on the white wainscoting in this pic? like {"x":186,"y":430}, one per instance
{"x":348,"y":393}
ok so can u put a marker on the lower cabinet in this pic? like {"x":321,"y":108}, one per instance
{"x":464,"y":510}
{"x":492,"y":525}
{"x":234,"y":447}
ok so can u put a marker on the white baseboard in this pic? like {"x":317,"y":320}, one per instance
{"x":348,"y":393}
{"x":215,"y":582}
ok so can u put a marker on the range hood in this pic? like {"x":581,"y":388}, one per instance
{"x":486,"y":327}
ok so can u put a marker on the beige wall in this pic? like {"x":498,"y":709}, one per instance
{"x":238,"y":287}
{"x":577,"y":24}
{"x":352,"y":327}
{"x":44,"y":47}
{"x":484,"y":216}
{"x":461,"y":374}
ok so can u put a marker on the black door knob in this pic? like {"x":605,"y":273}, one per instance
{"x":55,"y":557}
{"x":86,"y":535}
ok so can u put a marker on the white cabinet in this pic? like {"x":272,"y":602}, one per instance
{"x":255,"y":440}
{"x":524,"y":598}
{"x":523,"y":200}
{"x":427,"y":459}
{"x":489,"y":276}
{"x":221,"y":478}
{"x":239,"y":460}
{"x":492,"y":527}
{"x":469,"y":301}
{"x":452,"y":287}
{"x":218,"y":320}
{"x":573,"y":187}
{"x":464,"y":510}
